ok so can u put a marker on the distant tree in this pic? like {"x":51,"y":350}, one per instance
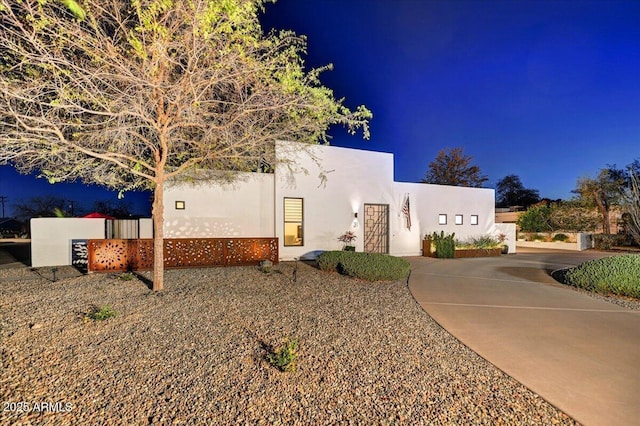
{"x":602,"y":192}
{"x":121,"y":209}
{"x":511,"y":192}
{"x":536,"y":219}
{"x":135,"y":94}
{"x":42,"y":206}
{"x":452,"y":167}
{"x":572,"y":216}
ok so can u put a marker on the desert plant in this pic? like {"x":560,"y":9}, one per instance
{"x":482,"y":242}
{"x":560,"y":237}
{"x":347,"y":240}
{"x":367,"y":266}
{"x":96,"y":313}
{"x":616,"y":274}
{"x":284,"y":357}
{"x":445,"y":245}
{"x":126,"y":276}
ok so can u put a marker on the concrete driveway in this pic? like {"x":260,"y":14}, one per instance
{"x":579,"y":353}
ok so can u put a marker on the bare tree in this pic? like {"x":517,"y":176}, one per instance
{"x":632,"y":206}
{"x":452,"y":167}
{"x":130,"y":94}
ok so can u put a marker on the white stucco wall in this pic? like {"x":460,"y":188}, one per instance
{"x":353,"y":178}
{"x":51,"y":238}
{"x":244,"y":208}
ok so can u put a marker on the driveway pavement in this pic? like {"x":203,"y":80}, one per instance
{"x":579,"y":353}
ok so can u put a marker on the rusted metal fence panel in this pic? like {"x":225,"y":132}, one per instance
{"x":133,"y":255}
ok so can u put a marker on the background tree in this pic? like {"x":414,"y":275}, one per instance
{"x":42,"y":206}
{"x":572,"y":216}
{"x":602,"y":192}
{"x":511,"y":192}
{"x":119,"y":209}
{"x":133,"y":94}
{"x":452,"y":167}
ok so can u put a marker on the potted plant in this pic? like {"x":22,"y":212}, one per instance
{"x":347,"y":240}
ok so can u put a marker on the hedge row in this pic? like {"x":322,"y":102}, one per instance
{"x":367,"y":266}
{"x":617,"y":274}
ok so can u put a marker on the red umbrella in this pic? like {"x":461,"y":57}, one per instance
{"x":96,"y":215}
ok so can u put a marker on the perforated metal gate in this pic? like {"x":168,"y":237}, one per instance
{"x":376,"y":228}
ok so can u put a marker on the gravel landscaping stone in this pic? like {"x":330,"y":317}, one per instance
{"x":195,"y":353}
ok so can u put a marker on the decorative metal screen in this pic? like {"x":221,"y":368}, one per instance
{"x":376,"y":228}
{"x":132,"y":255}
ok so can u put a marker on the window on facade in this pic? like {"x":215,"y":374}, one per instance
{"x":458,"y":219}
{"x":442,"y":219}
{"x":293,"y":213}
{"x":474,"y":219}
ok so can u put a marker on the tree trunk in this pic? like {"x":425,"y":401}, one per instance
{"x":157,"y":214}
{"x":604,"y":211}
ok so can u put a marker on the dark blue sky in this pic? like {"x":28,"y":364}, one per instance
{"x":547,"y":90}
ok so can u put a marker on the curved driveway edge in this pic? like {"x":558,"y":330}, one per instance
{"x":579,"y":353}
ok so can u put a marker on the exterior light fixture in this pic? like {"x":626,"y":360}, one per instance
{"x":179,"y":205}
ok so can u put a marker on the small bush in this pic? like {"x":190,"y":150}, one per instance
{"x":100,"y":314}
{"x":616,"y":274}
{"x":537,"y":237}
{"x":560,"y":237}
{"x":126,"y":276}
{"x":284,"y":358}
{"x":367,"y":266}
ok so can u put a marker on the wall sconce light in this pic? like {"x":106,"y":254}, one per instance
{"x":355,"y":215}
{"x":179,"y":205}
{"x":355,"y":224}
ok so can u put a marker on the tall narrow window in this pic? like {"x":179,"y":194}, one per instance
{"x":293,"y":214}
{"x":474,"y":219}
{"x":458,"y":219}
{"x":442,"y":219}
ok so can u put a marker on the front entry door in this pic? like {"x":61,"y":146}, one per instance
{"x":376,"y":228}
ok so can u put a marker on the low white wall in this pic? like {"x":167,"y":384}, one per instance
{"x":242,"y":209}
{"x":51,"y":238}
{"x":146,"y":228}
{"x":584,"y":242}
{"x":509,"y":230}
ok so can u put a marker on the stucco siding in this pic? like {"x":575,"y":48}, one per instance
{"x":244,"y":208}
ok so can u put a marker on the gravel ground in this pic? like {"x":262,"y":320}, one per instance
{"x":195,"y":353}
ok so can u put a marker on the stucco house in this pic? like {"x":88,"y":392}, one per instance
{"x":321,"y":194}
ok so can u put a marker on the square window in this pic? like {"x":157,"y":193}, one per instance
{"x":442,"y":219}
{"x":458,"y":219}
{"x":474,"y":219}
{"x":179,"y":205}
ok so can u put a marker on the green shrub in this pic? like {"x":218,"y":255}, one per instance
{"x":616,"y":274}
{"x":445,"y":245}
{"x":100,"y":314}
{"x":366,"y":266}
{"x":537,"y":237}
{"x":284,"y":358}
{"x":560,"y":237}
{"x":606,"y":242}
